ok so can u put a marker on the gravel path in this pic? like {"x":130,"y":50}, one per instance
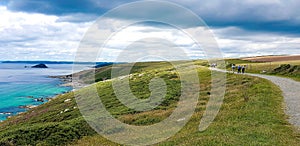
{"x":291,"y":94}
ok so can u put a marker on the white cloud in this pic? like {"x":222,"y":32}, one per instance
{"x":235,"y":42}
{"x":140,"y":38}
{"x":26,"y":36}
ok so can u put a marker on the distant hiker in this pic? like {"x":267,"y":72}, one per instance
{"x":243,"y":68}
{"x":239,"y":69}
{"x":213,"y":65}
{"x":233,"y":68}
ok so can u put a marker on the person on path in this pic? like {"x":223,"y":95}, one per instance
{"x":233,"y":68}
{"x":239,"y":69}
{"x":243,"y":68}
{"x":213,"y":65}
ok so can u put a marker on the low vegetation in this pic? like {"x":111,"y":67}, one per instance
{"x":252,"y":112}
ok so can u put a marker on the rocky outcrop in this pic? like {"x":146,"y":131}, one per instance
{"x":39,"y":99}
{"x":27,"y":106}
{"x":41,"y":65}
{"x":64,"y":78}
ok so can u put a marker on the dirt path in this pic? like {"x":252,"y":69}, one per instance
{"x":291,"y":94}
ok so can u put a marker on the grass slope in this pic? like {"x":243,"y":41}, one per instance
{"x":259,"y":121}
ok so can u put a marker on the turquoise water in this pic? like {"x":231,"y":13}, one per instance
{"x":21,"y":86}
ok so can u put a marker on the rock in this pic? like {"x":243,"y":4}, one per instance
{"x":122,"y":77}
{"x":67,"y":85}
{"x":182,"y":119}
{"x":32,"y":106}
{"x":67,"y":100}
{"x":27,"y":106}
{"x":264,"y":71}
{"x":39,"y":99}
{"x":66,"y":110}
{"x":5,"y":113}
{"x":22,"y":106}
{"x":41,"y":65}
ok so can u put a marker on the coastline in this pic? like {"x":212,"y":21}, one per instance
{"x":37,"y":101}
{"x":63,"y":81}
{"x":67,"y":81}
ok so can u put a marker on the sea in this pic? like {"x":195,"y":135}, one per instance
{"x":20,"y":86}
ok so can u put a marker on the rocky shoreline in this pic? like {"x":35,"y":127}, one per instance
{"x":68,"y":81}
{"x":27,"y":106}
{"x":41,"y":99}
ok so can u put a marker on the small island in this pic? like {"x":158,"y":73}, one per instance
{"x":41,"y":65}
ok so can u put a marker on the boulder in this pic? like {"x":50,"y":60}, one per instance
{"x":67,"y":100}
{"x":39,"y":99}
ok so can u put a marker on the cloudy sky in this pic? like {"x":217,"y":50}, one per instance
{"x":53,"y":29}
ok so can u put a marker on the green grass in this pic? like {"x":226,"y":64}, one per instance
{"x":258,"y":121}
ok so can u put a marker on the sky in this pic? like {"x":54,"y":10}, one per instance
{"x":53,"y":29}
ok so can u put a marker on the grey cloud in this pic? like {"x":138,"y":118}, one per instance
{"x":281,"y":16}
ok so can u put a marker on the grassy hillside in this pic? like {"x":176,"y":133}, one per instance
{"x":104,"y":73}
{"x":252,"y":113}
